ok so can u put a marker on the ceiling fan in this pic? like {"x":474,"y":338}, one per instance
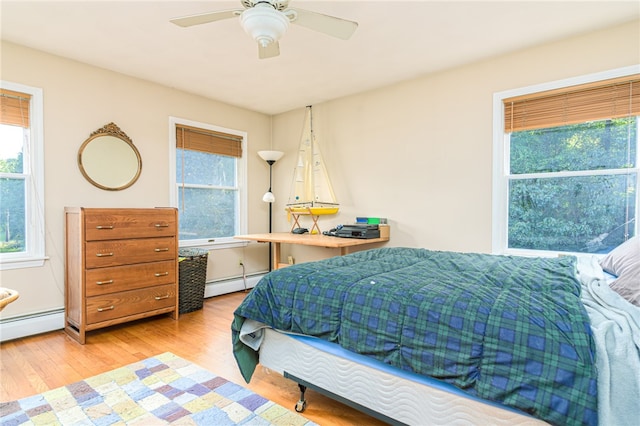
{"x":266,"y":21}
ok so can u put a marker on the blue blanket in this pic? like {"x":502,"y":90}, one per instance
{"x":507,"y":329}
{"x":616,"y":329}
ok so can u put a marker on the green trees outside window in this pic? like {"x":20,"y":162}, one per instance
{"x":573,"y":188}
{"x":208,"y":201}
{"x":12,"y":190}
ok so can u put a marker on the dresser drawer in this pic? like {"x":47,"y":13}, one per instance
{"x":125,"y":252}
{"x":120,"y":278}
{"x":125,"y":303}
{"x":112,"y":224}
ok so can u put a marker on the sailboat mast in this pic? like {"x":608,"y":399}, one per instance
{"x":311,"y":188}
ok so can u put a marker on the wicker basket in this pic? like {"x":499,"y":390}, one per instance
{"x":193,"y":275}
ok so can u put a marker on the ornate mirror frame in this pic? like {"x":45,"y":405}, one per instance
{"x":109,"y":160}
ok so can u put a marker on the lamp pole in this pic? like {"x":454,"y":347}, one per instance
{"x":270,"y":163}
{"x":270,"y":157}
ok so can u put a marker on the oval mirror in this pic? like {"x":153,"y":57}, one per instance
{"x":109,"y":160}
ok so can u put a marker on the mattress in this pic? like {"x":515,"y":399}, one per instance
{"x":386,"y":392}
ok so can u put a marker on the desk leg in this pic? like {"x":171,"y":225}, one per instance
{"x":344,"y":250}
{"x":276,"y":255}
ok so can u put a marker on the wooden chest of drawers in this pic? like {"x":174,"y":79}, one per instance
{"x":121,"y":265}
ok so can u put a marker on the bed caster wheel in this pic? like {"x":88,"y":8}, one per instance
{"x":300,"y":406}
{"x":302,"y":402}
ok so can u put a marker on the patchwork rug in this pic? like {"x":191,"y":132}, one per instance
{"x":165,"y":389}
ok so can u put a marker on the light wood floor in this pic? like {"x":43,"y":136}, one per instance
{"x":38,"y":363}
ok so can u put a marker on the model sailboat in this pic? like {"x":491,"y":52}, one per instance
{"x":311,"y":190}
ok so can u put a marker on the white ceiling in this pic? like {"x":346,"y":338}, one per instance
{"x":395,"y":41}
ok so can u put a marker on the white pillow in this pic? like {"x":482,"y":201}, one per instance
{"x":624,"y":261}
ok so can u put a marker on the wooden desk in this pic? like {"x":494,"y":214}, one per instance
{"x":317,"y":240}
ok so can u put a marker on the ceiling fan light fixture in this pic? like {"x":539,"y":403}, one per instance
{"x":264,"y":23}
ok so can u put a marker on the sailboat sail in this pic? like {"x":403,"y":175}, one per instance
{"x":311,"y":190}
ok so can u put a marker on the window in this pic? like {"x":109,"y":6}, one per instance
{"x":209,"y":173}
{"x":21,"y":177}
{"x":567,"y":172}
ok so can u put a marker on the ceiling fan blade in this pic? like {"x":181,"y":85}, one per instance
{"x":269,"y":51}
{"x":204,"y":18}
{"x":330,"y":25}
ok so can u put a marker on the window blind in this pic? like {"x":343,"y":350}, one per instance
{"x":203,"y":140}
{"x":14,"y":108}
{"x":601,"y":100}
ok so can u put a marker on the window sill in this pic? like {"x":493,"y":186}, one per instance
{"x":22,"y":263}
{"x":545,"y":253}
{"x":221,"y":245}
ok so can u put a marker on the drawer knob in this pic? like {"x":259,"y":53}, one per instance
{"x":162,"y":249}
{"x":106,"y":308}
{"x":166,"y":296}
{"x":161,"y":274}
{"x":104,"y":254}
{"x":161,"y":225}
{"x":104,"y":282}
{"x":104,"y":227}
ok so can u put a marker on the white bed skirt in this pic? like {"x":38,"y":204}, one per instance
{"x":379,"y":391}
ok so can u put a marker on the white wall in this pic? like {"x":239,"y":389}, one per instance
{"x":79,"y":99}
{"x":418,"y":153}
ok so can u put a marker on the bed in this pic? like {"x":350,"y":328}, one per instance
{"x":414,"y":336}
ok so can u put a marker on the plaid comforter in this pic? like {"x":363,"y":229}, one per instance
{"x":506,"y":329}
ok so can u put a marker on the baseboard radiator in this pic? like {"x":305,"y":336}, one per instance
{"x":43,"y":322}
